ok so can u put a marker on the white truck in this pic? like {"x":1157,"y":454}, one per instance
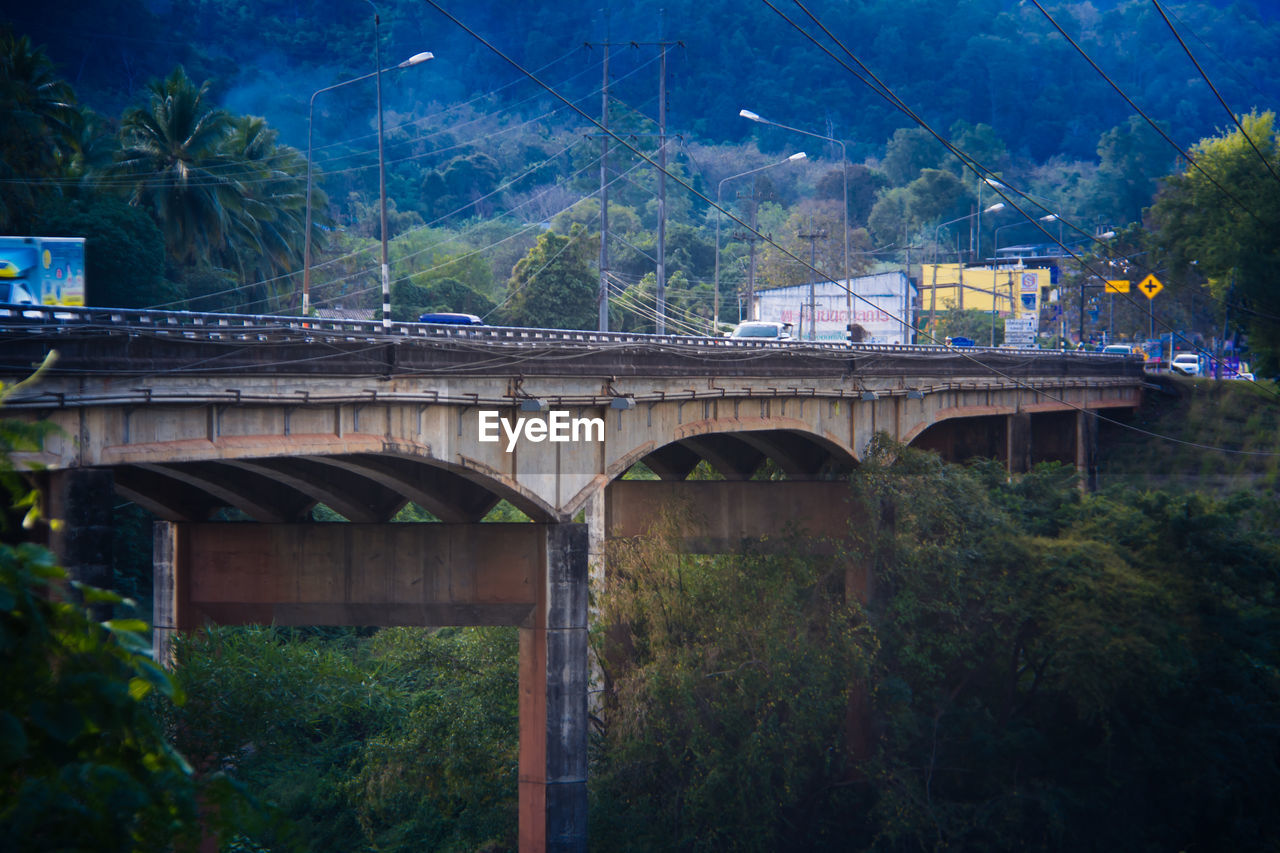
{"x":42,"y":271}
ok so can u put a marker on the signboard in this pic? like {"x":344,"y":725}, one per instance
{"x":882,"y":308}
{"x":1150,"y":286}
{"x":1120,"y":285}
{"x":1020,"y":331}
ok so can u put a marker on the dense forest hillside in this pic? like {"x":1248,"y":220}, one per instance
{"x":988,"y":62}
{"x":192,"y":141}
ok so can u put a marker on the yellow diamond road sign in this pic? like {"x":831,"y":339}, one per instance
{"x":1119,"y":285}
{"x":1150,"y":286}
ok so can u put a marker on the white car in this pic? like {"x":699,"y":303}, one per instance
{"x":1187,"y":363}
{"x":763,"y":330}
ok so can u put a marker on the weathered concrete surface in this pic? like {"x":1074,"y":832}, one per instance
{"x":352,"y":574}
{"x":530,"y":575}
{"x":721,"y":517}
{"x":365,"y":423}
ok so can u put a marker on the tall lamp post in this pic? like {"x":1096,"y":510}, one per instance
{"x":416,"y":59}
{"x":997,"y":186}
{"x":937,"y":237}
{"x":1106,"y":235}
{"x":1052,"y":217}
{"x":844,"y":172}
{"x":799,"y":155}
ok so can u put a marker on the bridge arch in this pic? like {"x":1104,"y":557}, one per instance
{"x":737,"y":453}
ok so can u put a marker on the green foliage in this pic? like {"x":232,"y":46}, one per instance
{"x":1046,"y":670}
{"x":728,"y":686}
{"x":410,"y":300}
{"x":1200,"y":415}
{"x":36,"y":136}
{"x":124,"y":250}
{"x":1234,"y":242}
{"x":83,"y":764}
{"x":908,"y":152}
{"x":389,"y":741}
{"x":969,"y":323}
{"x":1051,"y":665}
{"x":554,"y":286}
{"x":170,"y":154}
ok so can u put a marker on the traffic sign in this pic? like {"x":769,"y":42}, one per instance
{"x":1150,"y":286}
{"x":1120,"y":285}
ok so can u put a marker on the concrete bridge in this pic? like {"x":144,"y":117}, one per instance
{"x":191,"y":414}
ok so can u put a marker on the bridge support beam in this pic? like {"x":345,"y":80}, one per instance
{"x":82,"y":498}
{"x":1087,"y":449}
{"x":529,"y":575}
{"x":717,"y":516}
{"x":553,"y":701}
{"x":1017,"y":435}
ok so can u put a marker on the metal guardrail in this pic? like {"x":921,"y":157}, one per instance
{"x":58,"y":319}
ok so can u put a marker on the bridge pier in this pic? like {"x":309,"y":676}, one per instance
{"x":553,"y":701}
{"x":533,"y":576}
{"x":82,"y":498}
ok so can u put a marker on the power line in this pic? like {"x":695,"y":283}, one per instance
{"x":1191,"y":160}
{"x":710,"y":202}
{"x":1215,"y":91}
{"x":880,"y":88}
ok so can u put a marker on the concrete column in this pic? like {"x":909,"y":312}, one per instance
{"x":83,"y":498}
{"x":1018,"y":443}
{"x":170,"y":600}
{"x":553,"y":700}
{"x":597,"y":555}
{"x":1087,"y":449}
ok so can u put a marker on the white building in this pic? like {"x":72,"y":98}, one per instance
{"x":882,"y":305}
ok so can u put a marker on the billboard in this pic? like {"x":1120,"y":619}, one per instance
{"x":880,"y":305}
{"x":1013,"y":291}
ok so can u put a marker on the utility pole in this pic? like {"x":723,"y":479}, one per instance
{"x":813,"y":237}
{"x":662,"y":193}
{"x":604,"y":198}
{"x":661,"y":273}
{"x":752,"y":238}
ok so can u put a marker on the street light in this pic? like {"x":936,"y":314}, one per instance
{"x":844,"y":171}
{"x":937,"y":237}
{"x":416,"y":59}
{"x":800,"y":155}
{"x":1106,"y":235}
{"x":997,"y":186}
{"x":1052,"y":217}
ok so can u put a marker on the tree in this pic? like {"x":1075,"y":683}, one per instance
{"x":726,"y":694}
{"x":554,"y":285}
{"x":1234,"y":241}
{"x":84,"y":763}
{"x":171,"y":155}
{"x":1132,"y":157}
{"x":908,"y":152}
{"x":266,"y":228}
{"x":420,"y":295}
{"x":36,"y":139}
{"x":124,"y":250}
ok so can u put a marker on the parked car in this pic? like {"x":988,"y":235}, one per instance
{"x":763,"y":330}
{"x":451,"y":319}
{"x":1187,"y":363}
{"x":960,"y":342}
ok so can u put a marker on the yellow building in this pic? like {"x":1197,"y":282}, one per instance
{"x":1017,"y":292}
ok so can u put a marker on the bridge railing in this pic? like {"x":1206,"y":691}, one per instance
{"x":55,"y":319}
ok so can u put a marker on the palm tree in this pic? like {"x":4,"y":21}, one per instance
{"x":35,"y":137}
{"x":172,"y":155}
{"x":266,"y":230}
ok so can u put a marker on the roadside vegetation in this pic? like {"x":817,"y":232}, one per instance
{"x":1182,"y":430}
{"x":1037,"y":668}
